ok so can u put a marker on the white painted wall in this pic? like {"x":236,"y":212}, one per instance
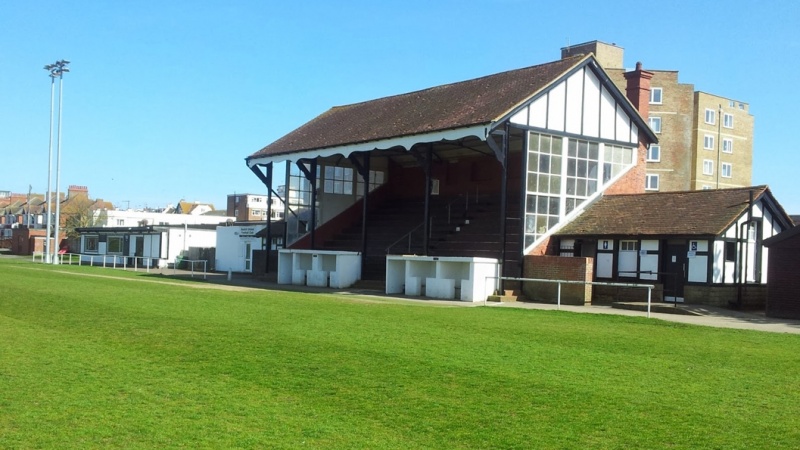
{"x":179,"y":240}
{"x":131,"y":218}
{"x":231,"y":243}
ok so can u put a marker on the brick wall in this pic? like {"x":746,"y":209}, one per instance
{"x":558,"y":268}
{"x":606,"y":295}
{"x":753,"y":297}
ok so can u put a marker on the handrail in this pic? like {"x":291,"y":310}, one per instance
{"x":453,"y":201}
{"x":408,"y":235}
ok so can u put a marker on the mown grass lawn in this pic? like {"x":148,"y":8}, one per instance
{"x":100,"y":362}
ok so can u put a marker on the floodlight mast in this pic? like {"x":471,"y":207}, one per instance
{"x":49,"y":202}
{"x":56,"y":69}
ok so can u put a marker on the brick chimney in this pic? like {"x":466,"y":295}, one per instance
{"x":638,"y":89}
{"x":74,"y":191}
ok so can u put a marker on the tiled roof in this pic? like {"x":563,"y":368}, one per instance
{"x":450,"y":106}
{"x":686,"y":213}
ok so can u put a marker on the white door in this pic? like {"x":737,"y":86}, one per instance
{"x":248,"y":256}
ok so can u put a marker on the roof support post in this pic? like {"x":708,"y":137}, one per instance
{"x":425,"y":161}
{"x":363,"y":170}
{"x":503,"y":201}
{"x":311,"y":176}
{"x":267,"y":180}
{"x":427,"y":225}
{"x":269,"y":217}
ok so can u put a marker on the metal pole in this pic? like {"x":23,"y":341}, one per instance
{"x":57,"y":236}
{"x":49,"y":201}
{"x":649,"y":295}
{"x":559,"y":296}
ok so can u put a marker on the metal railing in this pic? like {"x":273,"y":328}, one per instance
{"x":649,"y":287}
{"x":122,"y":262}
{"x":409,"y":236}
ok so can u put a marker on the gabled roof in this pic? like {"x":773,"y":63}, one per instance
{"x":480,"y":101}
{"x":685,"y":213}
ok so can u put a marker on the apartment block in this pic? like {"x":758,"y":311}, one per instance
{"x":705,"y":140}
{"x":253,"y":207}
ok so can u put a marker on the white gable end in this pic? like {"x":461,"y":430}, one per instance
{"x":581,"y":105}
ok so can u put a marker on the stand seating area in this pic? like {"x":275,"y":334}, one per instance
{"x":459,"y":227}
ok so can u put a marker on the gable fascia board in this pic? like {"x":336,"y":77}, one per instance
{"x":406,"y":142}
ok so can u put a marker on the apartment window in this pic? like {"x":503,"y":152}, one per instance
{"x":651,"y":182}
{"x":727,"y":145}
{"x":655,"y":95}
{"x":338,"y":180}
{"x":114,"y":245}
{"x":708,"y":167}
{"x":654,"y":153}
{"x":655,"y":124}
{"x":727,"y":170}
{"x":256,"y":212}
{"x":741,"y":105}
{"x":711,"y":116}
{"x":731,"y":103}
{"x":706,"y":187}
{"x":120,"y":222}
{"x":90,"y":244}
{"x":708,"y":142}
{"x":727,"y":120}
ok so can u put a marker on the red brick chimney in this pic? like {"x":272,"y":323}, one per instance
{"x":74,"y":190}
{"x":638,"y":89}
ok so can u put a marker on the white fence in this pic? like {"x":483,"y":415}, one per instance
{"x":649,"y":287}
{"x":121,"y":262}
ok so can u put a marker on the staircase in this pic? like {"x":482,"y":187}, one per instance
{"x":457,"y":229}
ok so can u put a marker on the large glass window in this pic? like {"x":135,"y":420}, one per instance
{"x":562,"y":173}
{"x":543,"y":200}
{"x":299,"y":202}
{"x":338,"y":180}
{"x":582,"y":171}
{"x":90,"y":244}
{"x":615,"y":160}
{"x":376,"y":178}
{"x":115,"y":245}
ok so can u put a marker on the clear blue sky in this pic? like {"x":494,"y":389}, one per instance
{"x":165,"y":99}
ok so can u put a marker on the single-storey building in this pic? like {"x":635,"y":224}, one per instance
{"x":698,"y":246}
{"x":147,"y":246}
{"x":242,"y":246}
{"x":783,"y":291}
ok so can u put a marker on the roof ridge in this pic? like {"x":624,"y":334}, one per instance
{"x":578,"y":57}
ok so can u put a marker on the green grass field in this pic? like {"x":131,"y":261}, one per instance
{"x":97,"y":362}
